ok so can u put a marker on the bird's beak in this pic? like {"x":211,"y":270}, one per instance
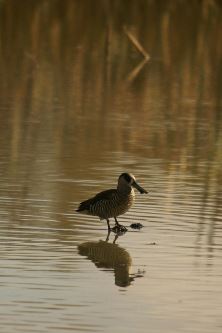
{"x":138,"y":187}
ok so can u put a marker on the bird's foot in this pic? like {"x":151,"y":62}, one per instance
{"x":119,"y":229}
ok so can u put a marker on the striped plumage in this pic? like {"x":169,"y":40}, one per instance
{"x":107,"y":204}
{"x":114,"y":202}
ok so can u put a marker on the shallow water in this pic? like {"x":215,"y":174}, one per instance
{"x":76,"y":110}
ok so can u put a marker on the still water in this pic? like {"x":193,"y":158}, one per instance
{"x":78,"y":106}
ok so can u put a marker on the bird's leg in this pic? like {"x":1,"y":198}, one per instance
{"x":109,"y":228}
{"x":107,"y":237}
{"x":117,"y":223}
{"x":120,"y":227}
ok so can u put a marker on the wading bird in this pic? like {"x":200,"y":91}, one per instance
{"x":114,"y":202}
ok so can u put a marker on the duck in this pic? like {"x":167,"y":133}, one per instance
{"x":113,"y":202}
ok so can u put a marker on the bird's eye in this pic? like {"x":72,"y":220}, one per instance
{"x":127,"y":177}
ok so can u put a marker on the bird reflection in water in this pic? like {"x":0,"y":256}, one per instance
{"x":110,"y":255}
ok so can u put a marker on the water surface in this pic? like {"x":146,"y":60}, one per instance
{"x":78,"y":106}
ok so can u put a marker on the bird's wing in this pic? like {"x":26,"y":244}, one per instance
{"x":104,"y":195}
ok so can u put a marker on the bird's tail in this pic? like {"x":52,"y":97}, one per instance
{"x":83,"y":207}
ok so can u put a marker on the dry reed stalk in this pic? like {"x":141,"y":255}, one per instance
{"x":136,"y":43}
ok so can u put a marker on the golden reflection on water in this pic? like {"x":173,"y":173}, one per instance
{"x":72,"y":86}
{"x":78,"y":106}
{"x":64,"y":94}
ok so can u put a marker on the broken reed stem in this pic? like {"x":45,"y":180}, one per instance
{"x":136,"y":43}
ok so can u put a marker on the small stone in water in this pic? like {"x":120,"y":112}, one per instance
{"x":136,"y":225}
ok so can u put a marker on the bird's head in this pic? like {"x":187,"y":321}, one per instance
{"x":128,"y":180}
